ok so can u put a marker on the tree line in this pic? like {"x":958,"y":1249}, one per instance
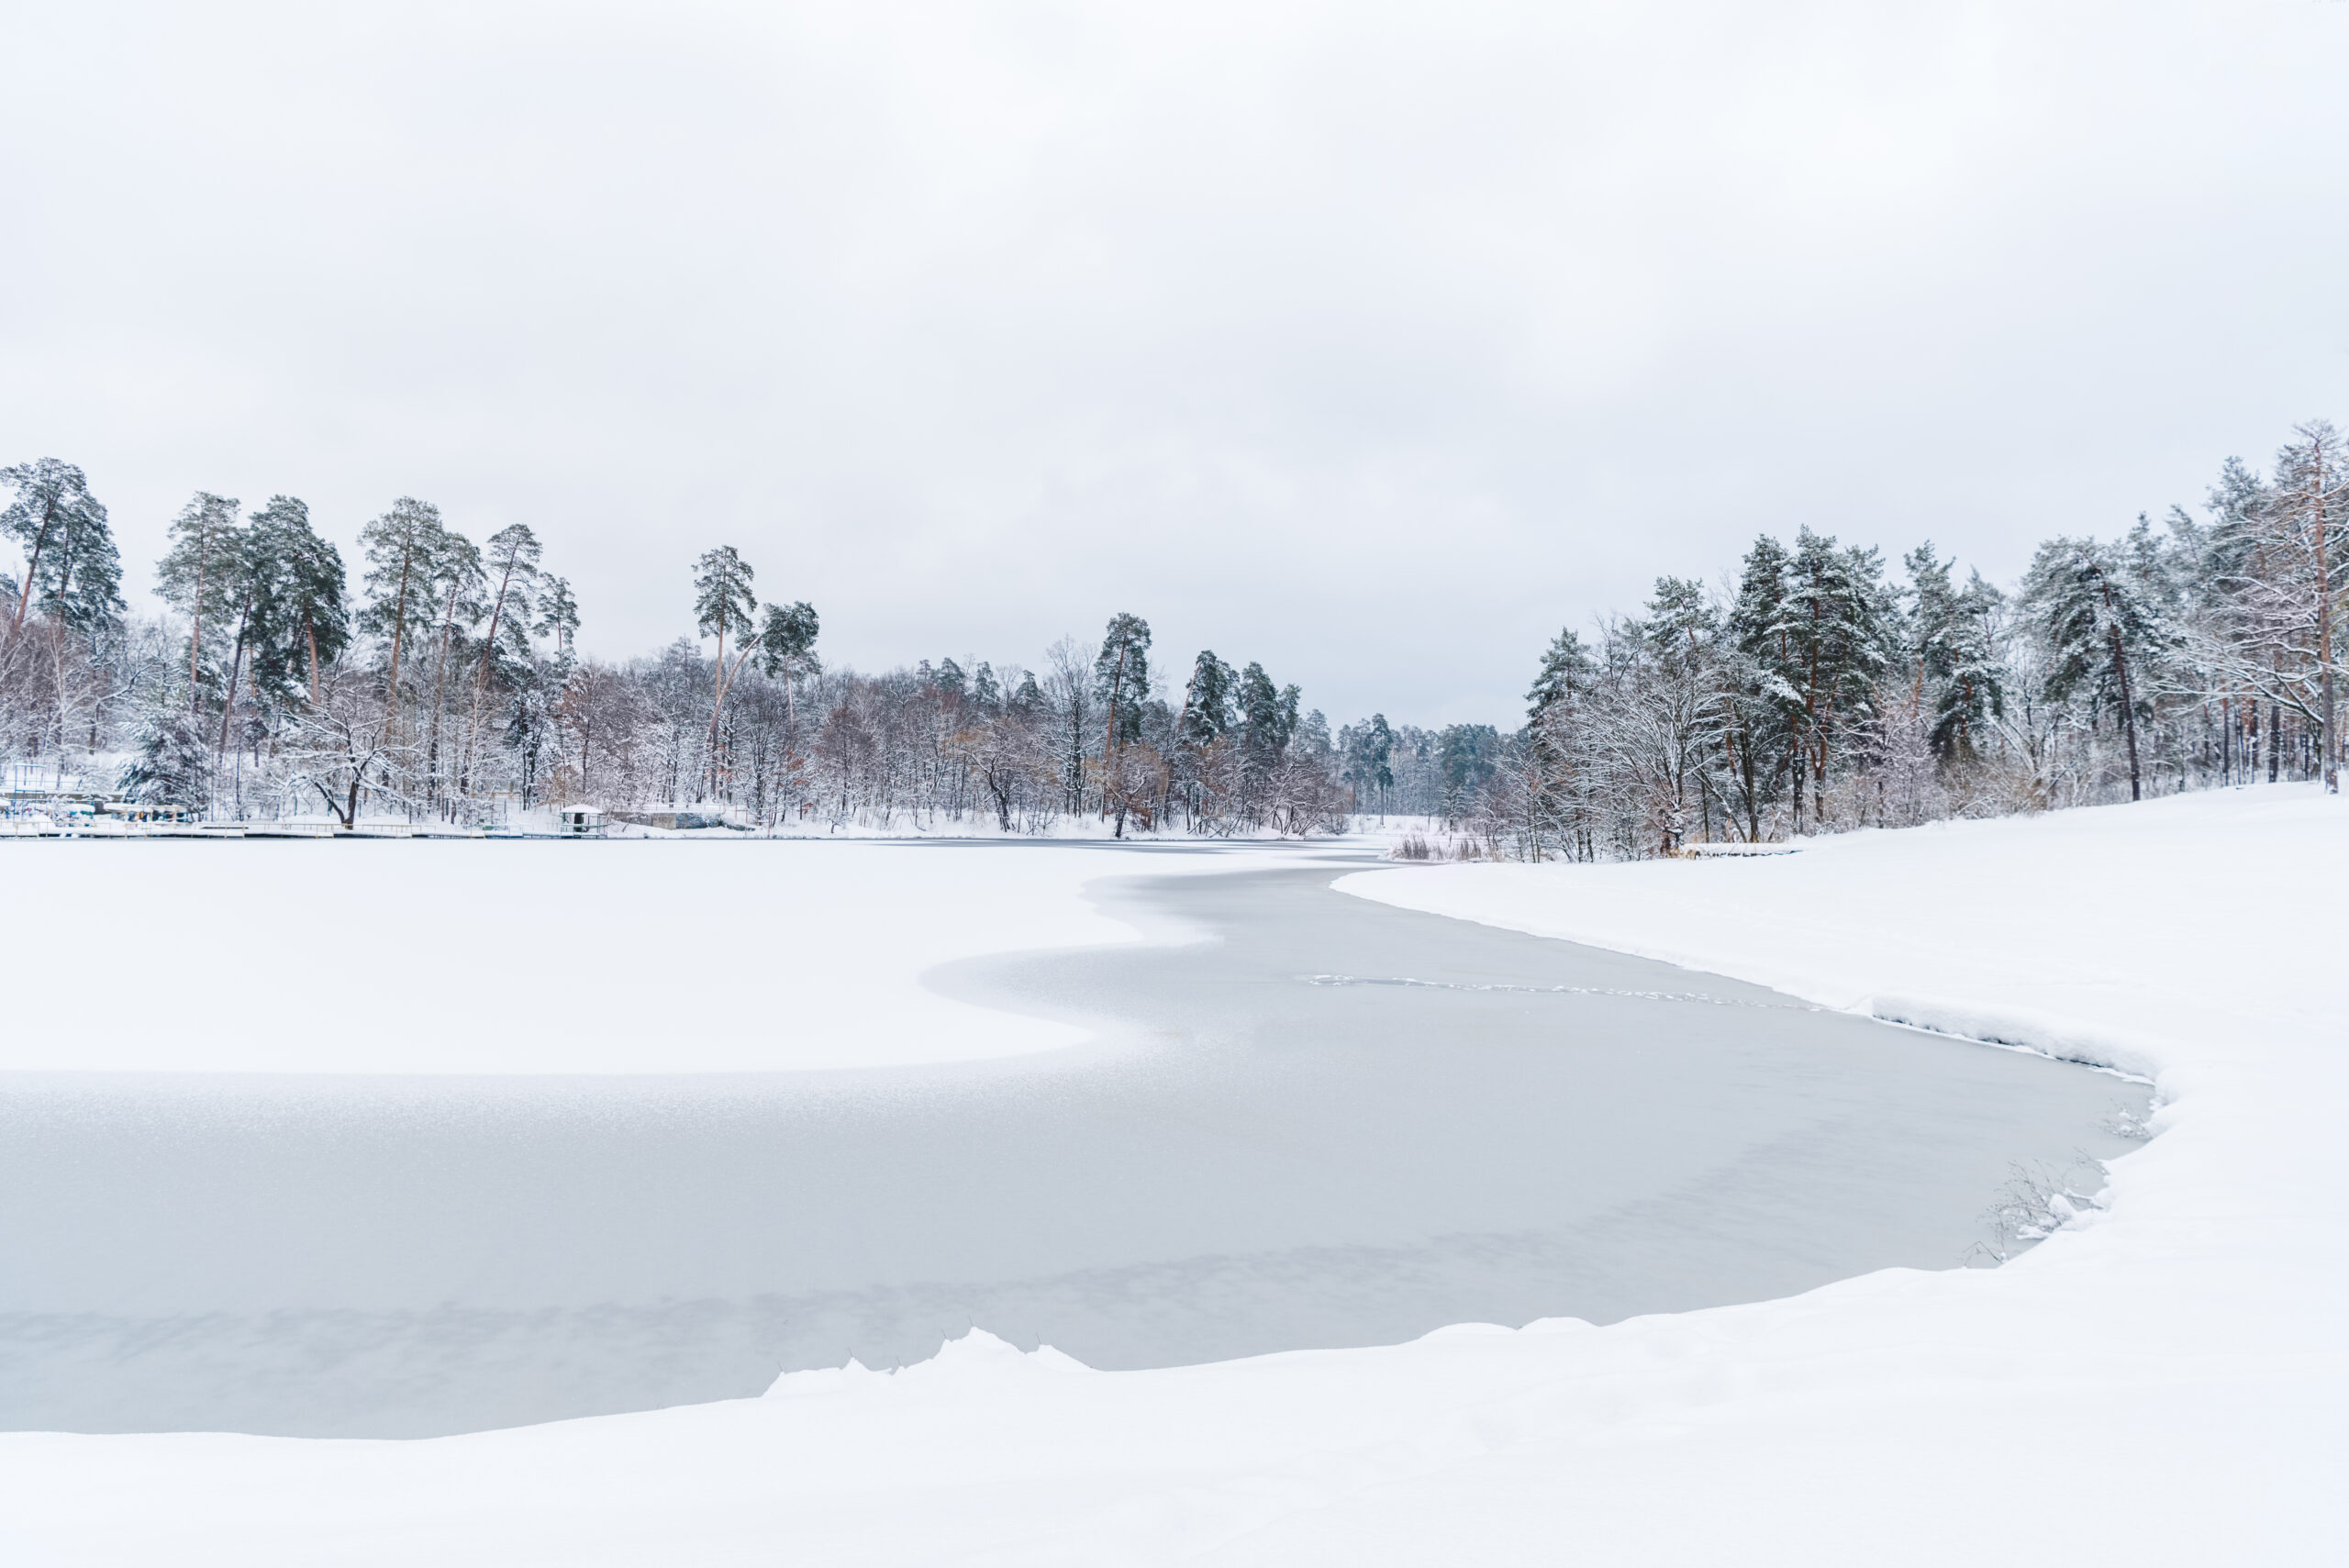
{"x":446,"y":682}
{"x":1811,"y":690}
{"x":1814,"y":690}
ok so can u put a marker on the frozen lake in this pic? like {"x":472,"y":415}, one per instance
{"x":1329,"y":1122}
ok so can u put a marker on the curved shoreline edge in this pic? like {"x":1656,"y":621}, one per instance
{"x":2161,"y":1383}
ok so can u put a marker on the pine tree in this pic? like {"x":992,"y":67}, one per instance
{"x":1121,"y":677}
{"x":723,"y":604}
{"x":1206,"y":701}
{"x":253,"y":596}
{"x":1121,"y":680}
{"x":788,"y":642}
{"x":401,"y":547}
{"x":189,"y":576}
{"x":513,"y":570}
{"x":558,"y":619}
{"x":459,"y":584}
{"x":171,"y":766}
{"x":1466,"y":756}
{"x":1961,"y":682}
{"x":787,"y":655}
{"x":1767,"y":705}
{"x":1369,"y":751}
{"x":1836,"y":611}
{"x":1564,"y":675}
{"x":1263,"y":734}
{"x":2098,"y":626}
{"x":311,"y":626}
{"x":73,"y":570}
{"x":1554,"y":708}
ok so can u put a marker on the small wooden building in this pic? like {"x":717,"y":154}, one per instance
{"x":580,"y":821}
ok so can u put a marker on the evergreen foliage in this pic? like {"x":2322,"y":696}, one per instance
{"x":173,"y":764}
{"x":72,"y":571}
{"x":1811,"y":695}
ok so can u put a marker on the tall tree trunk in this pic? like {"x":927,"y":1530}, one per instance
{"x":399,"y":635}
{"x":32,"y":566}
{"x":1109,"y":737}
{"x":717,"y":704}
{"x":195,"y":634}
{"x":235,"y":660}
{"x":716,"y":707}
{"x":1753,"y":803}
{"x":480,"y":679}
{"x":439,"y":689}
{"x":2128,"y":708}
{"x":2328,"y":739}
{"x":791,"y":730}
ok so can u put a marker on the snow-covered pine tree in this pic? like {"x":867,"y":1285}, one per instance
{"x":72,"y":571}
{"x":511,"y":578}
{"x":788,"y":642}
{"x":1368,"y":750}
{"x":252,"y":596}
{"x":1837,"y":610}
{"x":558,"y":619}
{"x":1555,"y":737}
{"x":788,"y":656}
{"x":459,"y":586}
{"x":1121,"y":682}
{"x":2098,"y":626}
{"x":1767,"y":702}
{"x":1960,"y":681}
{"x":203,"y":538}
{"x":1207,"y":700}
{"x":1121,"y":677}
{"x":401,"y":547}
{"x":1201,"y":752}
{"x":173,"y":766}
{"x":1262,"y":735}
{"x":1466,"y":756}
{"x":723,"y":605}
{"x":308,"y":623}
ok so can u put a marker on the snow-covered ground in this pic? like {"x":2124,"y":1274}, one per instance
{"x":740,"y":955}
{"x":2161,"y":1383}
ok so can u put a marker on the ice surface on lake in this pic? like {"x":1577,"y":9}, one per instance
{"x":1255,"y":1159}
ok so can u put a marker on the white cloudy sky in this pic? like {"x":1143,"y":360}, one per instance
{"x":1372,"y":341}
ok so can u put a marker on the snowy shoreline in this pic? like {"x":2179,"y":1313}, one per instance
{"x":2159,"y":1382}
{"x":1246,"y":1162}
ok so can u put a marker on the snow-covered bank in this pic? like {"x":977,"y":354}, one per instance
{"x":477,"y":957}
{"x":2159,"y":1384}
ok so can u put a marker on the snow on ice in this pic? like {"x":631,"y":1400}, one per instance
{"x":659,"y":956}
{"x":2160,"y":1382}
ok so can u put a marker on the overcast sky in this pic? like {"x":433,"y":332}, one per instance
{"x":1375,"y":342}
